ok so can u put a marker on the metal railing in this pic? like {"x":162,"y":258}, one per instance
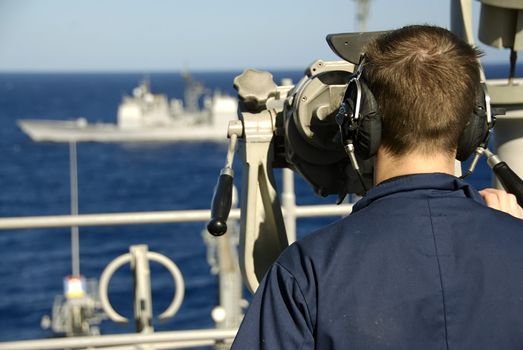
{"x":290,"y":210}
{"x":158,"y":340}
{"x":158,"y":217}
{"x":171,"y":340}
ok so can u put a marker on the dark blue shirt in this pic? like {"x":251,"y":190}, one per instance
{"x":421,"y":263}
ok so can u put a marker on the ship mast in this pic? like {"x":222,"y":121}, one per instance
{"x":193,"y":90}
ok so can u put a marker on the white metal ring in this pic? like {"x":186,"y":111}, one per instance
{"x":126,"y":258}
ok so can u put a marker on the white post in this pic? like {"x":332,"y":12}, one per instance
{"x":509,"y":141}
{"x":228,"y":314}
{"x":143,"y":309}
{"x":75,"y":234}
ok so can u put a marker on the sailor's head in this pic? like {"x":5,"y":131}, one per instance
{"x":425,"y":80}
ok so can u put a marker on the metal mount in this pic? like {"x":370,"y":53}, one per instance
{"x":262,"y":230}
{"x":139,"y":257}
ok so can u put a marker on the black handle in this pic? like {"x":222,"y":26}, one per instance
{"x":510,"y":180}
{"x":221,"y":205}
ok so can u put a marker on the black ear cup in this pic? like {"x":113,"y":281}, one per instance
{"x":365,"y":121}
{"x":477,"y":129}
{"x":367,"y":137}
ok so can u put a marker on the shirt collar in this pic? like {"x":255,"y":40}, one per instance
{"x":421,"y":183}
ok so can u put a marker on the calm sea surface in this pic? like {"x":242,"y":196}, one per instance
{"x":34,"y":180}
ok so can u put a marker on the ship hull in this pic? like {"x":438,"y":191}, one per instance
{"x":79,"y":131}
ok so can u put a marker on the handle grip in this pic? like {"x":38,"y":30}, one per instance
{"x":510,"y":180}
{"x":221,"y":205}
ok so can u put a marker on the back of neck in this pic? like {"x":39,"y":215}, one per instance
{"x":388,"y":166}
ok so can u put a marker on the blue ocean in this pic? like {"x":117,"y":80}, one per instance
{"x":34,"y":180}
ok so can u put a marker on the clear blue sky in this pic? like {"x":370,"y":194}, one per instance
{"x":169,"y":35}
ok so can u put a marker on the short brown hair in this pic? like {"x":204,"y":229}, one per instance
{"x":425,"y":80}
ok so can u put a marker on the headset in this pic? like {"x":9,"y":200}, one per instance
{"x":360,"y":121}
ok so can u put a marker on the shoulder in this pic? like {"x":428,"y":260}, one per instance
{"x":323,"y":243}
{"x":308,"y":257}
{"x":496,"y":222}
{"x":312,"y":247}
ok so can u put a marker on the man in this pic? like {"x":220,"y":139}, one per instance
{"x":422,"y":262}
